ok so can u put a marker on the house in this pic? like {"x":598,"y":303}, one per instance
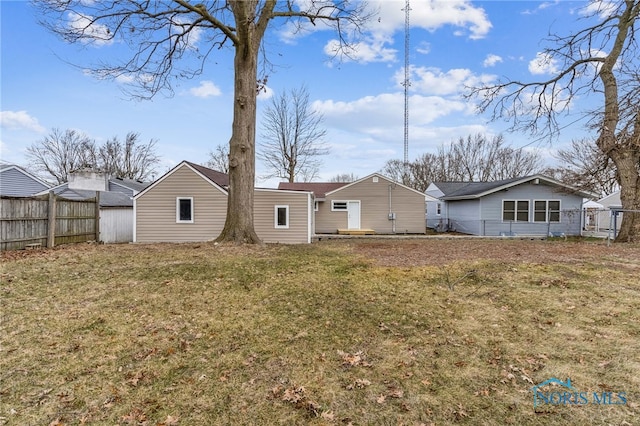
{"x":531,"y":205}
{"x":373,"y":204}
{"x":604,"y":218}
{"x":115,"y":198}
{"x":189,"y":203}
{"x":17,"y":182}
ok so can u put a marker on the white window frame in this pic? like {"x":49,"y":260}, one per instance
{"x":438,"y":209}
{"x":547,"y":211}
{"x":275,"y":214}
{"x":316,"y":206}
{"x":190,"y":199}
{"x":333,"y":205}
{"x":515,"y":211}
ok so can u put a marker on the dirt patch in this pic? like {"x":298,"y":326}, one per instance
{"x":444,"y":251}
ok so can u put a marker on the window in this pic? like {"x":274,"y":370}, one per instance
{"x":316,"y":205}
{"x":546,"y":211}
{"x":439,"y":209}
{"x":517,"y":211}
{"x":282,"y":217}
{"x":338,"y":205}
{"x":184,"y":210}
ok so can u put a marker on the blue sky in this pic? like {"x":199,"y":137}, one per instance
{"x":453,"y":43}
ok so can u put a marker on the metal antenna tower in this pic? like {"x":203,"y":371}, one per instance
{"x":406,"y":85}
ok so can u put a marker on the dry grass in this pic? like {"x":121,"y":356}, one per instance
{"x":333,"y":333}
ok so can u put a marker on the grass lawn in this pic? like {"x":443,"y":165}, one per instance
{"x":339,"y":332}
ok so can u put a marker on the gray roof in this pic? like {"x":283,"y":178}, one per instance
{"x":107,"y":199}
{"x":135,"y":185}
{"x":468,"y":190}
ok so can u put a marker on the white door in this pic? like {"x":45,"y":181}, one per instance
{"x":353,"y":214}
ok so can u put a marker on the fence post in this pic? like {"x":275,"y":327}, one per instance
{"x":51,"y":234}
{"x":97,"y":213}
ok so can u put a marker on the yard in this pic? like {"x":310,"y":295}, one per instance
{"x":339,"y":332}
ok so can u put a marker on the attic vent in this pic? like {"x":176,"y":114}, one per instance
{"x":375,"y":179}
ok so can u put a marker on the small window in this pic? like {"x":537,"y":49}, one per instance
{"x":515,"y":211}
{"x":316,"y":205}
{"x":338,"y":205}
{"x":184,"y":210}
{"x":282,"y":217}
{"x":439,"y":209}
{"x":546,"y":211}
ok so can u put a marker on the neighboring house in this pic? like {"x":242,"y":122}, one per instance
{"x":189,"y":203}
{"x":17,"y":182}
{"x":531,"y":205}
{"x":373,"y":204}
{"x":604,"y":219}
{"x":116,"y":201}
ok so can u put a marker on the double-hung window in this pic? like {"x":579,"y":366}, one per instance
{"x":515,"y":210}
{"x":546,"y":211}
{"x":184,"y":210}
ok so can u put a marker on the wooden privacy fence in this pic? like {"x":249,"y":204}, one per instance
{"x":48,"y":221}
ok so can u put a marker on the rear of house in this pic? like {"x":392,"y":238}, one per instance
{"x":189,"y":203}
{"x":372,"y":203}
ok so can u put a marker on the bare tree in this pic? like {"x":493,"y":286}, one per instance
{"x":585,"y":167}
{"x":219,"y":159}
{"x":471,"y":159}
{"x":60,"y":153}
{"x":292,"y":137}
{"x":344,"y":177}
{"x":129,"y":159}
{"x":603,"y":58}
{"x":163,"y":32}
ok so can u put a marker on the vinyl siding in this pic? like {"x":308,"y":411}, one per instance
{"x":408,"y":205}
{"x":463,"y":216}
{"x":14,"y":183}
{"x":484,"y":216}
{"x":264,"y":216}
{"x":156,"y":209}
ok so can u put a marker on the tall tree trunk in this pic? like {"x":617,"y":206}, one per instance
{"x":238,"y":226}
{"x":629,"y":178}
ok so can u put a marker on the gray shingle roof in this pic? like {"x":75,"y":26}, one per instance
{"x":467,"y":190}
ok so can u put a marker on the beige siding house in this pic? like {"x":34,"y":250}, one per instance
{"x":189,"y":203}
{"x":373,"y":203}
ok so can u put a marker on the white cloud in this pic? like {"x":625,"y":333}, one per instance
{"x":265,"y":94}
{"x":424,"y":48}
{"x":20,"y":120}
{"x":434,"y":81}
{"x":601,"y":8}
{"x":543,"y":63}
{"x":491,"y":60}
{"x":364,"y":52}
{"x":206,"y":89}
{"x":431,"y":15}
{"x":92,"y":33}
